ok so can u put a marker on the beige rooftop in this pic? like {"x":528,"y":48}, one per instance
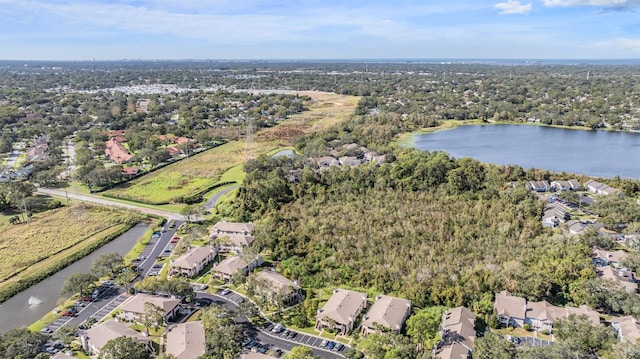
{"x":232,"y":227}
{"x":231,"y":265}
{"x":277,"y":279}
{"x":193,"y":257}
{"x":389,"y":312}
{"x":343,"y":306}
{"x":100,"y":334}
{"x":135,"y":304}
{"x":186,"y":340}
{"x":510,"y":306}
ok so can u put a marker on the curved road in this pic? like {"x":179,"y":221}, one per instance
{"x":108,"y":202}
{"x":214,"y":199}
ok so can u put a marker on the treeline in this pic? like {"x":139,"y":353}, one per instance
{"x":436,"y":230}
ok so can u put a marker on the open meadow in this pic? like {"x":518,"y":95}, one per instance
{"x":56,"y":236}
{"x":199,"y":172}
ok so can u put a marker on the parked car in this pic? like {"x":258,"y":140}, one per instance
{"x":225,"y":291}
{"x":46,"y":330}
{"x":174,"y":240}
{"x":68,"y":313}
{"x":292,"y":334}
{"x":79,"y":303}
{"x":278,"y":328}
{"x":338,"y":347}
{"x":331,"y":345}
{"x":324,"y":343}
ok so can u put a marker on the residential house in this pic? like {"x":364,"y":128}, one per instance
{"x":386,"y":313}
{"x":130,"y":171}
{"x":575,"y":227}
{"x":226,"y":228}
{"x":624,"y":277}
{"x":275,"y":284}
{"x":232,"y":236}
{"x":341,"y":310}
{"x":539,"y":186}
{"x":226,"y":269}
{"x":601,"y":188}
{"x":554,"y":215}
{"x":193,"y":261}
{"x":133,"y":308}
{"x":560,"y":186}
{"x":458,"y":333}
{"x":627,"y":328}
{"x":232,"y":242}
{"x":115,"y":152}
{"x":603,"y":258}
{"x":349,"y":161}
{"x":539,"y":315}
{"x":186,"y":340}
{"x":511,"y":310}
{"x":327,"y":161}
{"x":94,"y":339}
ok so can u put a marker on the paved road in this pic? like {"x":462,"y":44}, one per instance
{"x":212,"y":201}
{"x":266,"y":337}
{"x":107,"y":202}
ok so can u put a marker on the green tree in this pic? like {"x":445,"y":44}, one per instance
{"x":423,"y":326}
{"x":223,"y":335}
{"x":579,"y":334}
{"x":299,"y":352}
{"x":124,"y":348}
{"x":153,"y":317}
{"x":106,"y":264}
{"x":21,"y":343}
{"x":82,"y":283}
{"x":493,"y":346}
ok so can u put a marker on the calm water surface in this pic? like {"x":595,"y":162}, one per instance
{"x":593,"y":153}
{"x":16,"y":312}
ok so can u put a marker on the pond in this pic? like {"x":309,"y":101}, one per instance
{"x":592,"y":153}
{"x":44,"y":296}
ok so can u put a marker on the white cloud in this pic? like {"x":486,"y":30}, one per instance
{"x":600,"y":3}
{"x":628,"y":45}
{"x":513,"y":7}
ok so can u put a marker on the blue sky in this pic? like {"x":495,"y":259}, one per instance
{"x":314,"y":29}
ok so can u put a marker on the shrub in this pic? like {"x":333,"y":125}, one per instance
{"x":527,"y":327}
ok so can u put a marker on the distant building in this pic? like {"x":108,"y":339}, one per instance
{"x":226,"y":269}
{"x":116,"y":153}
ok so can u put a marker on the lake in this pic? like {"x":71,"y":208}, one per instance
{"x":593,"y":153}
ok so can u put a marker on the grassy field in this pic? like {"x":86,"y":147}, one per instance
{"x":223,"y":163}
{"x":54,"y":235}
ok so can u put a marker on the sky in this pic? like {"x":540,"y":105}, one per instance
{"x":316,"y":29}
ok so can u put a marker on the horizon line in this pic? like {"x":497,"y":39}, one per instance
{"x":363,"y":59}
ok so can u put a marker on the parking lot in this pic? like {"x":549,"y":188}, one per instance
{"x":286,"y":334}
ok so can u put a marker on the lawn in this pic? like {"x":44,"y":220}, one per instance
{"x":55,"y":235}
{"x":224,"y":163}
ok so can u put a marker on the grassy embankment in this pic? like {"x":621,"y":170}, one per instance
{"x":223,"y":163}
{"x":54,"y":240}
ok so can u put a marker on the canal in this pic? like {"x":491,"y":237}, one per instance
{"x":16,"y":312}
